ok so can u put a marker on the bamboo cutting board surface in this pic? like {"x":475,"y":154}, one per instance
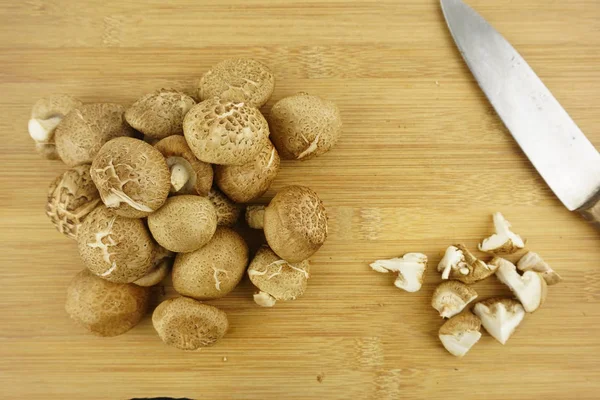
{"x":423,"y":163}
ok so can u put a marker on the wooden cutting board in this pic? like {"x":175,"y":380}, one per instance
{"x":423,"y":163}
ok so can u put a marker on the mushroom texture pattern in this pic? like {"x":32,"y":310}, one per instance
{"x":451,"y":297}
{"x":459,"y":264}
{"x":460,"y":333}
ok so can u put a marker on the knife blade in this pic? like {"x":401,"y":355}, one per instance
{"x":563,"y":156}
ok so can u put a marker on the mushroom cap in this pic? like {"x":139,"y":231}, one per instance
{"x":132,"y":177}
{"x":105,"y":308}
{"x":188,"y":324}
{"x":71,"y":197}
{"x":244,"y":183}
{"x":184,"y":223}
{"x":54,"y":105}
{"x":460,"y":333}
{"x":160,"y":114}
{"x":177,"y":152}
{"x":255,"y":216}
{"x":276,"y":277}
{"x":530,"y":288}
{"x":223,"y":132}
{"x":115,"y":248}
{"x":304,"y":126}
{"x":295,"y":223}
{"x":500,"y":316}
{"x":239,"y":80}
{"x":86,"y":129}
{"x":451,"y":297}
{"x":228,"y":212}
{"x":215,"y":269}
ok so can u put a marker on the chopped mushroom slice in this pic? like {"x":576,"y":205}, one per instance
{"x":459,"y":264}
{"x":451,"y":297}
{"x":533,"y":262}
{"x":500,"y":316}
{"x":264,"y":299}
{"x":530,"y":288}
{"x":410,"y":270}
{"x":504,"y":241}
{"x":460,"y":333}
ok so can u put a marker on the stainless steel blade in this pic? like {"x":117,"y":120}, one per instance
{"x":558,"y":149}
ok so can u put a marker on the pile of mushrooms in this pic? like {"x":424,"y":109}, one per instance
{"x":459,"y":268}
{"x":157,"y":189}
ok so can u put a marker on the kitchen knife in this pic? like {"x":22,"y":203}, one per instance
{"x":558,"y":149}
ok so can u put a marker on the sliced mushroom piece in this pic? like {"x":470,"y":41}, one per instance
{"x":530,"y":288}
{"x":500,"y":316}
{"x":459,"y":264}
{"x":255,"y":216}
{"x":228,"y":212}
{"x":410,"y":269}
{"x":264,"y":299}
{"x":533,"y":262}
{"x":451,"y":297}
{"x":504,"y":241}
{"x":460,"y":333}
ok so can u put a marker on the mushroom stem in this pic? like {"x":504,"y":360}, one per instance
{"x":255,"y":215}
{"x":264,"y":299}
{"x":41,"y":130}
{"x":179,"y":176}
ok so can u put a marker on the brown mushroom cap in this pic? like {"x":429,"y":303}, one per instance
{"x":243,"y":183}
{"x":184,"y":223}
{"x":178,"y":155}
{"x":222,"y":132}
{"x":304,"y":126}
{"x":214,"y":270}
{"x":105,"y":308}
{"x":71,"y":197}
{"x":188,"y":324}
{"x":115,"y":248}
{"x":295,"y":223}
{"x":280,"y":279}
{"x":239,"y":80}
{"x":132,"y":177}
{"x":228,"y":212}
{"x":160,"y":114}
{"x":86,"y":129}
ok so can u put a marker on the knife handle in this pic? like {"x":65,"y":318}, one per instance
{"x":591,"y":210}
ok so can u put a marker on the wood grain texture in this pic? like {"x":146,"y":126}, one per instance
{"x":423,"y":163}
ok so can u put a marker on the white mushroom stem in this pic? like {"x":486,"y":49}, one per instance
{"x":255,"y":216}
{"x":179,"y":176}
{"x":41,"y":130}
{"x":453,"y":258}
{"x":410,"y":270}
{"x":529,"y":288}
{"x":504,"y":240}
{"x":264,"y":299}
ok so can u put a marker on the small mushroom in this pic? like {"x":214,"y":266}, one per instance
{"x":451,"y":297}
{"x":500,"y":316}
{"x":228,"y":212}
{"x":188,"y":174}
{"x":184,"y":223}
{"x":160,"y":114}
{"x":276,"y":279}
{"x":132,"y":177}
{"x":71,"y":197}
{"x":295,"y":223}
{"x":86,"y":129}
{"x":460,"y":333}
{"x":530,"y":288}
{"x":241,"y":80}
{"x":410,"y":269}
{"x":504,"y":241}
{"x":46,"y":114}
{"x":214,"y":270}
{"x":223,"y":132}
{"x":244,"y":183}
{"x":115,"y":248}
{"x":459,"y":264}
{"x":533,"y":262}
{"x":255,"y":216}
{"x":188,"y":324}
{"x":105,"y":308}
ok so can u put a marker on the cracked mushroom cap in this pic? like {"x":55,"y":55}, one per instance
{"x":451,"y":297}
{"x":460,"y":333}
{"x":241,"y":80}
{"x":228,"y":212}
{"x":46,"y":114}
{"x":132,"y":177}
{"x":160,"y":114}
{"x":533,"y":262}
{"x":71,"y":197}
{"x":276,"y":278}
{"x":115,"y":248}
{"x":105,"y":308}
{"x":459,"y":264}
{"x":188,"y":174}
{"x":304,"y":126}
{"x":500,"y":316}
{"x":255,"y":216}
{"x":162,"y":261}
{"x":223,"y":132}
{"x":530,"y":288}
{"x":295,"y":223}
{"x":184,"y":223}
{"x":86,"y":129}
{"x":214,"y":270}
{"x":410,"y":269}
{"x":244,"y":183}
{"x":188,"y":324}
{"x":504,"y":241}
